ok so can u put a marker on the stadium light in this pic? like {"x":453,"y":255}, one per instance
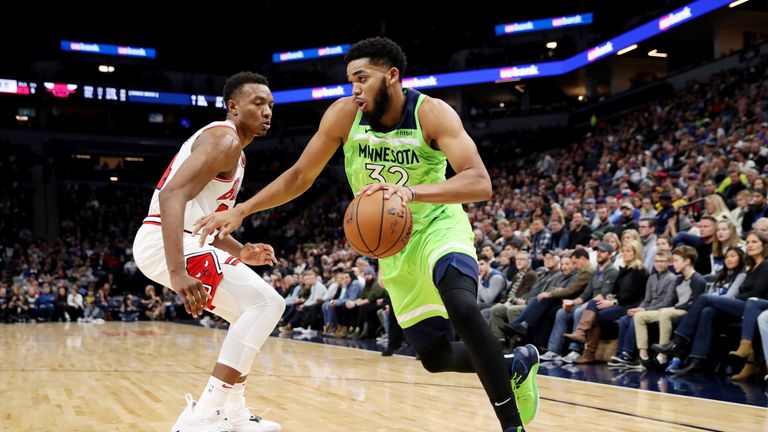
{"x":106,"y":69}
{"x":551,"y":45}
{"x":656,"y":53}
{"x":627,"y":49}
{"x":736,"y":3}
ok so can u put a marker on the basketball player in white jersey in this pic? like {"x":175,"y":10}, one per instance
{"x":204,"y":177}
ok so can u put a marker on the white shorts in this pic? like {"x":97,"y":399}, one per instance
{"x":215,"y":268}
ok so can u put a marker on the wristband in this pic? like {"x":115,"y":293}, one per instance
{"x":413,"y":193}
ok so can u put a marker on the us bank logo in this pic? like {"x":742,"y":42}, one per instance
{"x":599,"y":51}
{"x":674,"y":18}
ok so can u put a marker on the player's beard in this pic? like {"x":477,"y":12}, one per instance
{"x":380,"y":104}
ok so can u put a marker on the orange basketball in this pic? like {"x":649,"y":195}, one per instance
{"x":377,"y":227}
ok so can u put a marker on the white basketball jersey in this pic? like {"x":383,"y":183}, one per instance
{"x":218,"y":195}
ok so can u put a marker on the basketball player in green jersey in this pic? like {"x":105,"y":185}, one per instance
{"x":400,"y":140}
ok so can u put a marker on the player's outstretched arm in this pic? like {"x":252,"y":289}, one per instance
{"x":215,"y":152}
{"x":441,"y":124}
{"x":333,"y":129}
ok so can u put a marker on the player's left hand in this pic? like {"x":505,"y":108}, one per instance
{"x":257,"y":254}
{"x":389,"y":189}
{"x":225,"y":221}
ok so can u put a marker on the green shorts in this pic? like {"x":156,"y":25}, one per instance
{"x":407,"y":275}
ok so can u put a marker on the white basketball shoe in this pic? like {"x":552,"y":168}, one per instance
{"x":243,"y":421}
{"x":189,"y":422}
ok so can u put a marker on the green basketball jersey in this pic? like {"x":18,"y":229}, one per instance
{"x":400,"y":156}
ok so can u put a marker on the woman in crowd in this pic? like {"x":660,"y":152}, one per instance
{"x":694,"y":334}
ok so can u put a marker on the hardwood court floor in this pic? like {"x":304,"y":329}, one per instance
{"x":133,"y":376}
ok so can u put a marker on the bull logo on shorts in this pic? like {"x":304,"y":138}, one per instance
{"x":205,"y":267}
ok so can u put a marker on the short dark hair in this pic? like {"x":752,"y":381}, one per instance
{"x":382,"y":51}
{"x":238,"y":80}
{"x":580,"y":253}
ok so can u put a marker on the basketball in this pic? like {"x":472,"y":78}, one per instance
{"x":378,"y":227}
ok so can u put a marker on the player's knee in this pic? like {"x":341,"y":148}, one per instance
{"x":433,"y":358}
{"x":268,"y":300}
{"x":278,"y":303}
{"x":432,"y":365}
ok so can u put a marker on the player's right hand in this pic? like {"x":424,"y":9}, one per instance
{"x":226,"y":222}
{"x":192,"y":294}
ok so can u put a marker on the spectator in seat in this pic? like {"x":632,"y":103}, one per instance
{"x":128,"y":310}
{"x":725,"y":238}
{"x":33,"y":303}
{"x":46,"y":304}
{"x":627,"y":220}
{"x":687,"y":287}
{"x":580,"y":232}
{"x":576,"y":275}
{"x":694,"y":334}
{"x":503,"y":313}
{"x":349,"y":290}
{"x":154,"y":309}
{"x":170,"y":302}
{"x":762,"y":324}
{"x":715,"y":207}
{"x":629,"y":290}
{"x":4,"y":300}
{"x":741,"y":209}
{"x":647,"y":231}
{"x":75,"y":308}
{"x":600,"y":285}
{"x":18,"y":309}
{"x":757,"y":209}
{"x":60,"y":312}
{"x":560,"y":235}
{"x":363,"y":310}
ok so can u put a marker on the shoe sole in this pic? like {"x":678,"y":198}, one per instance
{"x":535,"y":371}
{"x":532,"y":373}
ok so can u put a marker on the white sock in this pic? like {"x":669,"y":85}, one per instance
{"x":661,"y":360}
{"x":213,"y":397}
{"x":236,"y":396}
